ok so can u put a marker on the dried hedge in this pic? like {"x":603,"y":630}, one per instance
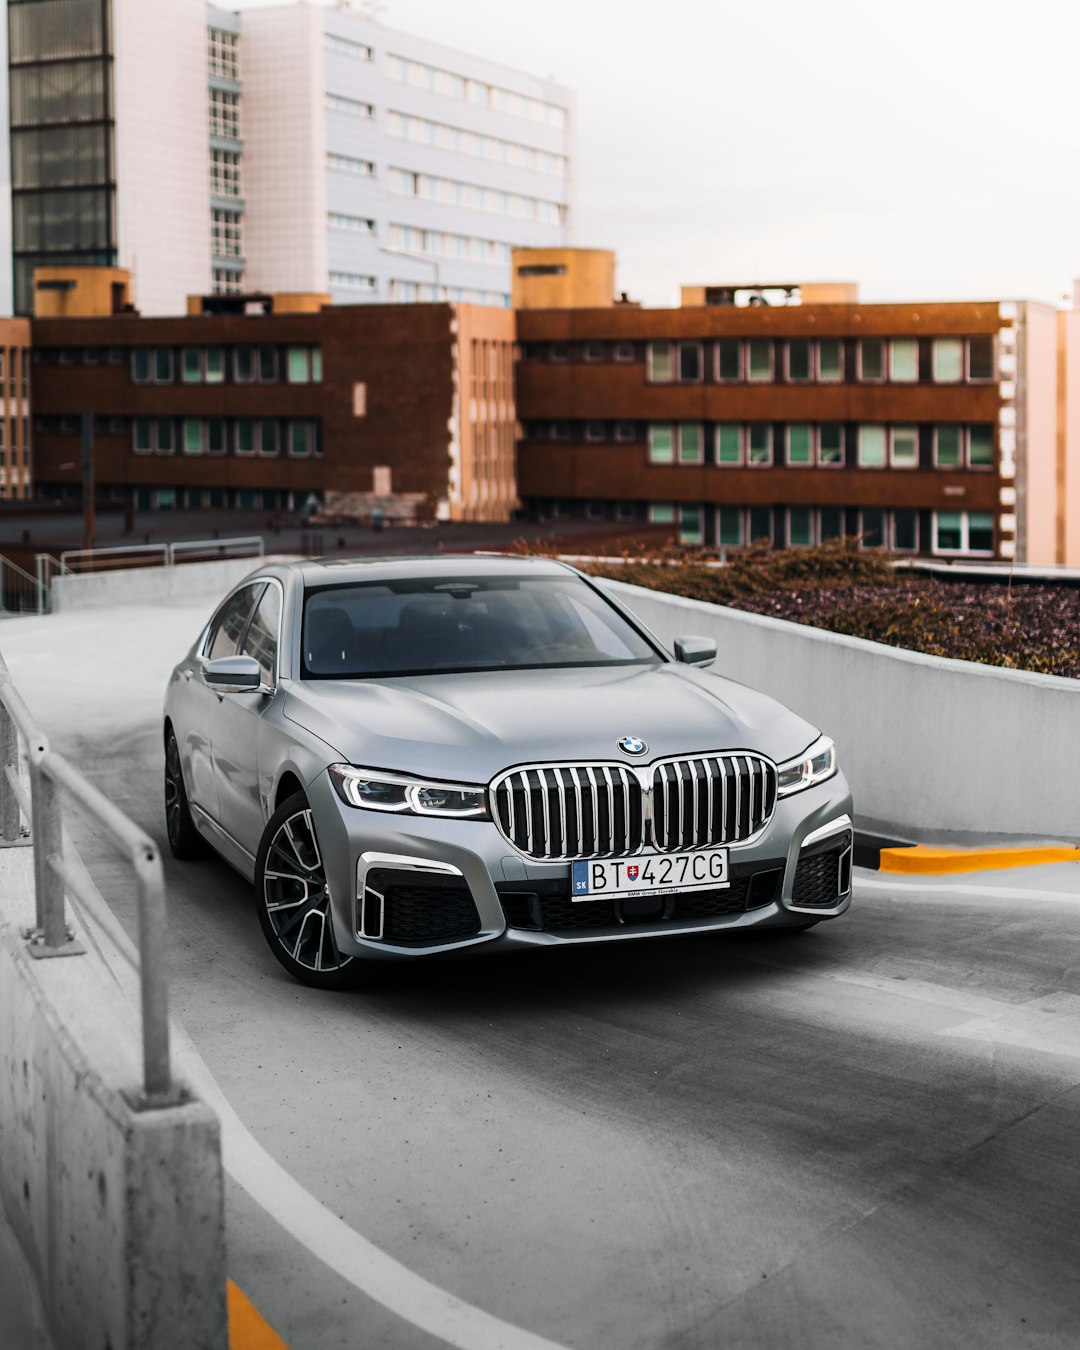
{"x":847,"y":590}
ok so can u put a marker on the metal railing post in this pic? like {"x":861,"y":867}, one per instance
{"x":51,"y":925}
{"x":153,"y":979}
{"x":10,"y":815}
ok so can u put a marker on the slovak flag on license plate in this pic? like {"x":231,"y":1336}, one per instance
{"x":632,"y":873}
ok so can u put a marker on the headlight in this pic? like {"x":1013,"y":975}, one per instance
{"x":377,"y":791}
{"x":812,"y":766}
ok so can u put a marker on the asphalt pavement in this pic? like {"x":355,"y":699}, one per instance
{"x":862,"y":1136}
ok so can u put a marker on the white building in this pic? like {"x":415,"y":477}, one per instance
{"x":381,"y":167}
{"x":291,"y":148}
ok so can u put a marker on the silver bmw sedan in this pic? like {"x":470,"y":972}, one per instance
{"x":421,"y":756}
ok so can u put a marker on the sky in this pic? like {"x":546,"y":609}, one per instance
{"x":927,"y":150}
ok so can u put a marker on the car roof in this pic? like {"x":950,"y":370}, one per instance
{"x":335,"y":571}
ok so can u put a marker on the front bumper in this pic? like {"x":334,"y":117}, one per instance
{"x":385,"y":872}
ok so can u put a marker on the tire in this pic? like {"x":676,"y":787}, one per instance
{"x":184,"y":839}
{"x":293,"y":903}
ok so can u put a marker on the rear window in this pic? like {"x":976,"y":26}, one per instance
{"x":413,"y":627}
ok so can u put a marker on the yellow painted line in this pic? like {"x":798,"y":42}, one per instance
{"x":248,"y":1330}
{"x":924,"y":858}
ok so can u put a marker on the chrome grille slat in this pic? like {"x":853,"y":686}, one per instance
{"x":573,"y":810}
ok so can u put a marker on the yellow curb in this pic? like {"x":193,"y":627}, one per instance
{"x":247,"y":1328}
{"x":925,"y":858}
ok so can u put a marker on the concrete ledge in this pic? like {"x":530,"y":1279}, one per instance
{"x":930,"y":746}
{"x":120,"y":1213}
{"x":143,"y":585}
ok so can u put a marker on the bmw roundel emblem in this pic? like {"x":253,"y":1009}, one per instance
{"x":633,"y":745}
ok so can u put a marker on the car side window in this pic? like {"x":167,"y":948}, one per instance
{"x":228,"y":626}
{"x":261,"y":640}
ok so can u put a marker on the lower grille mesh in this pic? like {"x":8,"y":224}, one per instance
{"x":419,"y":913}
{"x":824,"y":878}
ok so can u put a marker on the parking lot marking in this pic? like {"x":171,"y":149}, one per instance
{"x":248,"y":1329}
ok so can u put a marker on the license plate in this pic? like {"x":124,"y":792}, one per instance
{"x":654,"y":873}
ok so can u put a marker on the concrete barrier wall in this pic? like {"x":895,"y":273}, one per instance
{"x":120,"y":1212}
{"x":930,"y":746}
{"x":147,"y":585}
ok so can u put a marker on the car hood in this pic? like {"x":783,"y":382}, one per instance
{"x":469,"y":727}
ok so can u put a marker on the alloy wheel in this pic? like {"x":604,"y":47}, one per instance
{"x":296,"y":897}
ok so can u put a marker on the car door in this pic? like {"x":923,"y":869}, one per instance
{"x":223,"y":639}
{"x":236,"y":727}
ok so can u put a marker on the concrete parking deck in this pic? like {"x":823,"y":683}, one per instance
{"x":860,"y":1138}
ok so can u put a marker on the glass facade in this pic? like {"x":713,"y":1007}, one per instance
{"x":63,"y":190}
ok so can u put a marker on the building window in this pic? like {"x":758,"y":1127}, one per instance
{"x":798,"y":360}
{"x":800,"y":527}
{"x":759,"y":443}
{"x":871,"y":360}
{"x":871,"y":528}
{"x":225,"y":114}
{"x":691,"y":444}
{"x":223,"y":50}
{"x":981,"y":446}
{"x":268,"y":364}
{"x":152,"y":435}
{"x":216,"y":436}
{"x":831,"y":443}
{"x":948,"y":360}
{"x":226,"y":233}
{"x":351,"y":107}
{"x":560,"y":431}
{"x":152,"y":365}
{"x":625,"y":351}
{"x":661,"y":513}
{"x":626,"y":431}
{"x":690,"y":362}
{"x":830,"y":360}
{"x":729,"y":526}
{"x":728,"y":360}
{"x":352,"y":281}
{"x":948,"y":447}
{"x":269,"y":437}
{"x":963,"y":532}
{"x":661,"y":443}
{"x":359,"y":51}
{"x":729,"y":443}
{"x":362,"y":168}
{"x":660,"y":369}
{"x":224,"y":173}
{"x":594,"y":431}
{"x":301,"y":437}
{"x":760,"y":524}
{"x":759,"y":360}
{"x":980,"y":358}
{"x":830,"y":523}
{"x":905,"y":447}
{"x":594,"y":351}
{"x":355,"y":224}
{"x":245,"y":436}
{"x":190,"y":365}
{"x":690,"y":526}
{"x":559,"y":351}
{"x":905,"y":526}
{"x":297,"y":365}
{"x":904,"y":360}
{"x":871,"y":447}
{"x":799,"y":444}
{"x":193,"y":436}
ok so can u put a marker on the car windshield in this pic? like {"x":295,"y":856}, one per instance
{"x":420,"y":627}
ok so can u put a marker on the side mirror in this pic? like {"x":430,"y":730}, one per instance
{"x":695,"y":651}
{"x":233,"y":675}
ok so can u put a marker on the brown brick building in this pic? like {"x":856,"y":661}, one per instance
{"x":795,"y":413}
{"x":407,"y":406}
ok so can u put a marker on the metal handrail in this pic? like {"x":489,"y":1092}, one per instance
{"x":52,"y":779}
{"x":169,"y":554}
